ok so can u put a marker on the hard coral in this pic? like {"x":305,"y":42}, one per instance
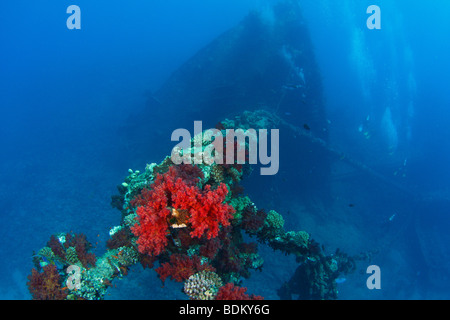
{"x":82,"y":247}
{"x":56,"y":247}
{"x":203,"y":285}
{"x":71,"y":249}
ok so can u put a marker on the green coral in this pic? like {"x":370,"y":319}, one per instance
{"x":274,"y":220}
{"x":47,"y":253}
{"x":71,"y":256}
{"x":130,"y":220}
{"x":239,"y":204}
{"x":298,"y":238}
{"x":333,"y":265}
{"x":127,"y":256}
{"x":136,"y":181}
{"x":94,"y":282}
{"x":258,"y":119}
{"x":45,"y":256}
{"x":253,"y":260}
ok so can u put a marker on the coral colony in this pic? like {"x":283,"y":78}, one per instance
{"x":188,"y":221}
{"x":208,"y":147}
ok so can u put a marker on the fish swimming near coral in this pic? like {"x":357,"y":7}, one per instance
{"x":292,"y":86}
{"x":340,"y":280}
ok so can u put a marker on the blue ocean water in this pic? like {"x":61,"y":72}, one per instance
{"x":70,"y":100}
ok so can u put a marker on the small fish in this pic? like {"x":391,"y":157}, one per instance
{"x":392,"y":217}
{"x":292,"y":86}
{"x":351,"y":205}
{"x":306,"y":127}
{"x":360,"y":128}
{"x":340,"y":280}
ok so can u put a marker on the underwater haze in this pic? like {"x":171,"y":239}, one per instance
{"x":363,"y":116}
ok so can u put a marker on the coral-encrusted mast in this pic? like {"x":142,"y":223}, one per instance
{"x":190,"y":219}
{"x":205,"y":209}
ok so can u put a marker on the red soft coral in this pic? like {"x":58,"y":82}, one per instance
{"x":57,"y":248}
{"x":170,"y":193}
{"x":210,"y":211}
{"x":152,"y":229}
{"x":121,"y":238}
{"x":181,"y":267}
{"x":252,"y":219}
{"x":210,"y":248}
{"x":232,"y":292}
{"x":46,"y":285}
{"x":153,"y":212}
